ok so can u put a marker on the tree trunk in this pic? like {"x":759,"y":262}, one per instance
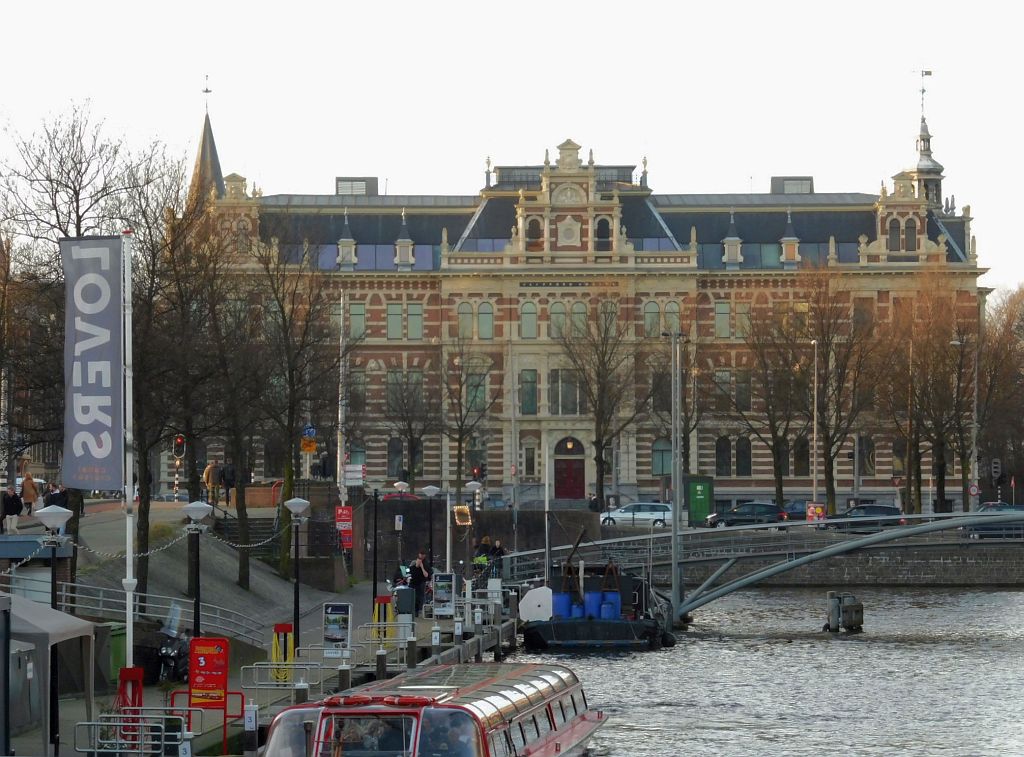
{"x":76,"y":504}
{"x":830,"y":484}
{"x":777,"y":470}
{"x":240,"y":461}
{"x":939,"y":465}
{"x":141,"y":547}
{"x":599,"y":462}
{"x":285,"y":540}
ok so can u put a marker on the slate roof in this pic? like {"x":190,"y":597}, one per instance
{"x":377,"y":228}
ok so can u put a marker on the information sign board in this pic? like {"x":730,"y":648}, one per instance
{"x":337,"y":626}
{"x":208,"y":673}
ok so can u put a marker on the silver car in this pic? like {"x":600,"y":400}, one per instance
{"x":640,"y":514}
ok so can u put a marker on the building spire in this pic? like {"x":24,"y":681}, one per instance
{"x":207,"y":91}
{"x":207,"y":176}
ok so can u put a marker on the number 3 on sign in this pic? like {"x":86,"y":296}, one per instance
{"x":202,"y":661}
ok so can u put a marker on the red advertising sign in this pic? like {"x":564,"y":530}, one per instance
{"x":343,"y":522}
{"x":208,"y":673}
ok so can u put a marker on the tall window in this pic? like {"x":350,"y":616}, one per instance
{"x":801,"y":457}
{"x":723,"y":329}
{"x":865,"y":455}
{"x":485,"y":321}
{"x":899,"y":456}
{"x":465,"y":320}
{"x":661,"y":392}
{"x":415,"y":320}
{"x":603,"y":235}
{"x":416,"y":455}
{"x":784,"y":457}
{"x":529,"y":461}
{"x":743,"y":319}
{"x":743,"y":391}
{"x":476,"y":452}
{"x":476,"y":392}
{"x":556,"y":320}
{"x":609,"y":314}
{"x":579,"y":319}
{"x":357,"y":320}
{"x":652,"y":319}
{"x":910,"y":232}
{"x":357,"y":391}
{"x":743,"y":456}
{"x":723,"y":456}
{"x":661,"y":458}
{"x":356,"y":453}
{"x":394,"y":457}
{"x":723,"y":385}
{"x":394,"y":320}
{"x":894,"y":236}
{"x":528,"y":321}
{"x":565,"y":396}
{"x":528,"y":391}
{"x":395,"y":390}
{"x":672,"y":317}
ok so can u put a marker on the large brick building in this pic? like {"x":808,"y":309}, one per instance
{"x":501,"y":271}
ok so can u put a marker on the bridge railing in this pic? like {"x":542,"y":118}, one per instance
{"x":702,"y":544}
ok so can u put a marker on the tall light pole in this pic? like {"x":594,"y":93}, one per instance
{"x":401,"y":487}
{"x":677,"y":474}
{"x":431,"y":492}
{"x":373,"y":585}
{"x":196,"y":511}
{"x":814,"y":430}
{"x":54,"y":518}
{"x":297,"y":506}
{"x":473,"y":487}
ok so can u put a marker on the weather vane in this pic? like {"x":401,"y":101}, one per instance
{"x":923,"y":74}
{"x":207,"y":91}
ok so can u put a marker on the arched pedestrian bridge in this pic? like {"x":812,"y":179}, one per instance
{"x":793,"y":546}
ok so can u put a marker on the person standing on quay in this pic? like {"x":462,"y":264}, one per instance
{"x":227,"y":480}
{"x":211,"y":478}
{"x":29,"y":492}
{"x":419,"y":574}
{"x":12,"y":509}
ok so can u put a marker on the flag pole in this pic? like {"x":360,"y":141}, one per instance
{"x":129,"y":582}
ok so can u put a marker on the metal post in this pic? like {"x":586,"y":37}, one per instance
{"x":448,"y":532}
{"x":251,"y":739}
{"x":373,"y":586}
{"x":547,"y":518}
{"x":339,"y":464}
{"x":196,"y":604}
{"x":54,"y":678}
{"x":296,"y":522}
{"x":382,"y":664}
{"x":814,"y":429}
{"x":129,"y":582}
{"x":676,"y":477}
{"x":410,"y":652}
{"x":5,"y":679}
{"x":973,"y":500}
{"x":430,"y":535}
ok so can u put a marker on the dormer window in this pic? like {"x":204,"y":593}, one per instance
{"x":534,"y":235}
{"x":894,"y":236}
{"x":603,"y":235}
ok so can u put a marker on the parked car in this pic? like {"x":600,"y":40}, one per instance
{"x":639,"y":514}
{"x":749,"y":513}
{"x":870,"y":519}
{"x":796,"y":509}
{"x":995,"y":530}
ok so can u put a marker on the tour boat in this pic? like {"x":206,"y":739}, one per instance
{"x":464,"y":710}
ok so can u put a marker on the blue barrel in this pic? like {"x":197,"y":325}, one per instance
{"x":615,"y":600}
{"x":608,"y":611}
{"x":592,"y":604}
{"x":577,"y":611}
{"x":561,"y":604}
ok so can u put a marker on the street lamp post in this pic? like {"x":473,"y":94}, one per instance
{"x":814,"y":429}
{"x":401,"y":487}
{"x":196,"y":511}
{"x":473,"y":487}
{"x":431,"y":492}
{"x":373,"y":585}
{"x":54,"y":518}
{"x":297,"y":506}
{"x":677,"y":478}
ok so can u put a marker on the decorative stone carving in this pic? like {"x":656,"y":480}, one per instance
{"x":569,"y":156}
{"x":568,"y":194}
{"x":569,"y":231}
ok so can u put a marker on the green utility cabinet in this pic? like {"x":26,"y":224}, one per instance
{"x":700,"y":498}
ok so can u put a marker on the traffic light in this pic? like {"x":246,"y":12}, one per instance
{"x":476,"y":472}
{"x":483,"y":471}
{"x":178,"y":447}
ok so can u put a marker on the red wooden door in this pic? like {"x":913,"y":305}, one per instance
{"x":569,"y":483}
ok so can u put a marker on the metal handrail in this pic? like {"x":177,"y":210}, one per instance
{"x":97,"y":601}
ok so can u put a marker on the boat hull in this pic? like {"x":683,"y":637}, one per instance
{"x":572,"y":633}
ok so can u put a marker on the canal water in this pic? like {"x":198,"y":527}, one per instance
{"x":935,"y":672}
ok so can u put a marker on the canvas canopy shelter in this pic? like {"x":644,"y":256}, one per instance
{"x":43,"y":627}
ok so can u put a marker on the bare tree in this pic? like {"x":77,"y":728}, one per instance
{"x":691,"y":399}
{"x":603,"y":354}
{"x":412,"y":412}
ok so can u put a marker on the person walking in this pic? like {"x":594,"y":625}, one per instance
{"x":227,"y":480}
{"x":211,"y":478}
{"x":30,"y":493}
{"x":419,"y":574}
{"x":12,"y":506}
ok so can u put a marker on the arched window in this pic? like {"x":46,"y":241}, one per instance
{"x":743,"y":456}
{"x":485,"y":321}
{"x":556,"y":320}
{"x":661,"y":458}
{"x":801,"y":457}
{"x":528,"y":321}
{"x":672,"y":317}
{"x":894,"y":235}
{"x":579,"y":319}
{"x":784,"y":456}
{"x":534,"y":235}
{"x":465,"y":320}
{"x":910,"y":232}
{"x":569,"y":446}
{"x":652,"y":319}
{"x":394,"y":457}
{"x":603,"y":235}
{"x":723,"y":456}
{"x":609,"y":315}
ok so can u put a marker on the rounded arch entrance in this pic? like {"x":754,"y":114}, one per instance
{"x":570,"y":468}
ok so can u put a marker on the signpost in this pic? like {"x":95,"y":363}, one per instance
{"x":355,"y":475}
{"x":343,"y":522}
{"x":208,"y":673}
{"x":815,"y":511}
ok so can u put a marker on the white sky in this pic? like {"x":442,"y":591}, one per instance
{"x":719,"y":96}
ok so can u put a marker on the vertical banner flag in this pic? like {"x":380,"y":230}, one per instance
{"x":93,"y":363}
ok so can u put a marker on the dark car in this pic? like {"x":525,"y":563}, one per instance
{"x":796,"y":509}
{"x":996,"y":530}
{"x":870,"y":519}
{"x":749,"y":513}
